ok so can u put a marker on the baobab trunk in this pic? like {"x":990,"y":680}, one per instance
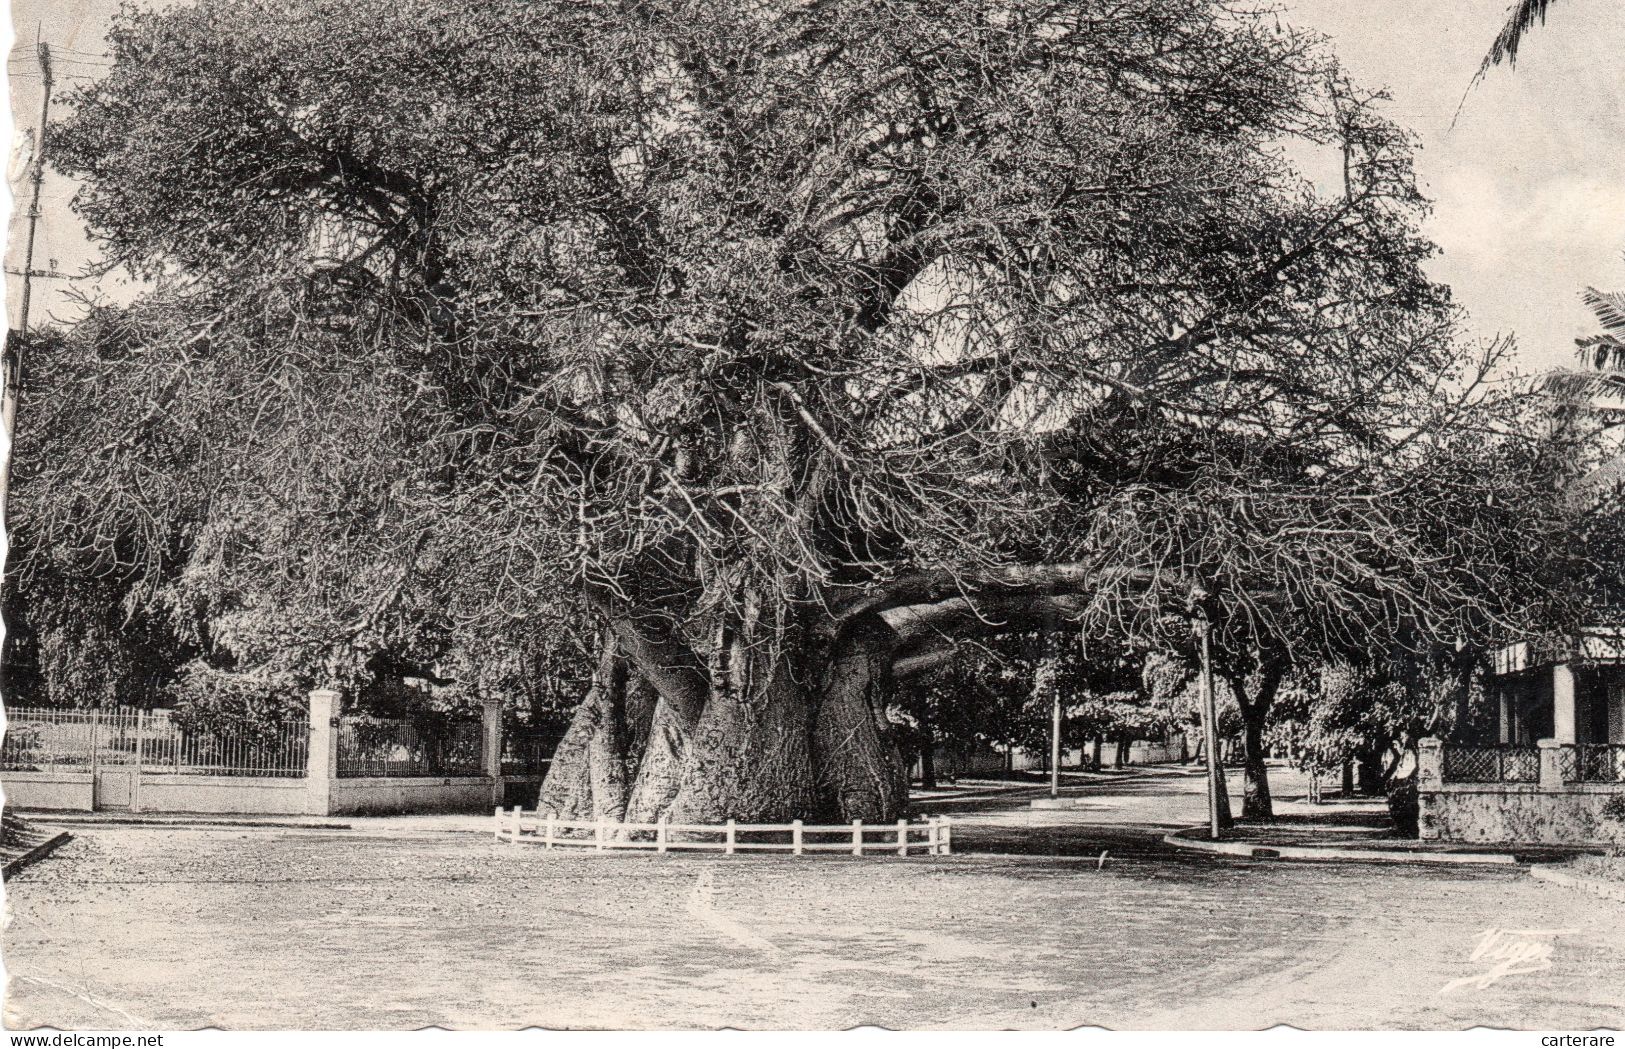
{"x":750,"y":758}
{"x":762,"y":740}
{"x":862,"y":774}
{"x":587,"y":776}
{"x":660,"y":767}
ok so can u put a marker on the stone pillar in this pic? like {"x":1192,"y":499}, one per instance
{"x":1429,"y":779}
{"x":491,"y":747}
{"x":1563,"y":725}
{"x":322,"y":766}
{"x":1429,"y":764}
{"x":1505,"y":723}
{"x":1551,"y":764}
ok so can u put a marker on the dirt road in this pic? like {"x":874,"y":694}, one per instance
{"x":176,"y":929}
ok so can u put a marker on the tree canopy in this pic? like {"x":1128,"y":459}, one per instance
{"x":790,"y":341}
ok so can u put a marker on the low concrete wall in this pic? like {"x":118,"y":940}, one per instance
{"x":48,"y":791}
{"x":1516,"y":813}
{"x":1139,"y":753}
{"x":265,"y":795}
{"x":238,"y":795}
{"x":359,"y":797}
{"x":1153,"y":753}
{"x":1547,"y":812}
{"x":164,"y":792}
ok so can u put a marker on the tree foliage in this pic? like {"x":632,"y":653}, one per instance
{"x":792,"y":341}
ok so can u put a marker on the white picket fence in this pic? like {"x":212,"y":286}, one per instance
{"x":934,"y":837}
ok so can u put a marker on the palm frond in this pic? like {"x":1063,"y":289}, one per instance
{"x":1521,"y":18}
{"x":1602,"y":353}
{"x":1585,"y":384}
{"x":1609,"y":306}
{"x":1605,"y":352}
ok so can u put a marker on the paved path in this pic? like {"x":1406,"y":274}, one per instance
{"x":246,"y":928}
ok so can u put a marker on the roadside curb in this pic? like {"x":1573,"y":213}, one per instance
{"x":180,"y":822}
{"x":1065,"y":802}
{"x":37,"y":853}
{"x":1329,"y":853}
{"x":1557,"y":876}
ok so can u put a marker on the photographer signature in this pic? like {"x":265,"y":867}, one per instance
{"x":1512,"y":952}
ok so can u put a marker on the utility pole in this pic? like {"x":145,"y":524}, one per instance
{"x":11,"y":372}
{"x":37,"y":177}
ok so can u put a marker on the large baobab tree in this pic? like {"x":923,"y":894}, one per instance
{"x":782,"y":343}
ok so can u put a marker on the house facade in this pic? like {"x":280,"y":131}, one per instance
{"x":1554,"y":772}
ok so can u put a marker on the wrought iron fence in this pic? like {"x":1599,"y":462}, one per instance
{"x":1504,"y":764}
{"x":370,"y":746}
{"x":280,"y":750}
{"x":43,"y":739}
{"x":1592,"y":762}
{"x":37,"y":740}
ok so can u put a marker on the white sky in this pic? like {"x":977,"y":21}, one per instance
{"x":1529,"y":183}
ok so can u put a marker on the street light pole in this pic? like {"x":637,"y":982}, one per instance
{"x":1055,"y":743}
{"x":1210,"y":726}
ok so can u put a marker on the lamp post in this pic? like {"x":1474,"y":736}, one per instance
{"x":1210,"y":727}
{"x":1055,"y":743}
{"x":1202,"y":623}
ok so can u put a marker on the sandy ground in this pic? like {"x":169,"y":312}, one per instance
{"x":403,"y":924}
